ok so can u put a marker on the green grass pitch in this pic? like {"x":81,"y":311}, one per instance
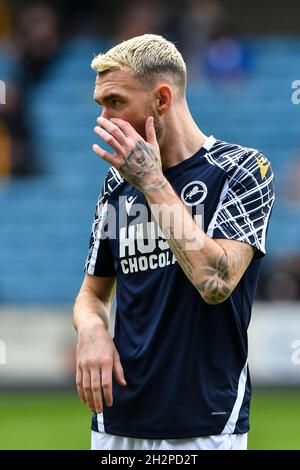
{"x":60,"y":421}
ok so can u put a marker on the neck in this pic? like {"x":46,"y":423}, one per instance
{"x":182,"y":138}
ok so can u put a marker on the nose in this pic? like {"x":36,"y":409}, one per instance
{"x":105,"y":113}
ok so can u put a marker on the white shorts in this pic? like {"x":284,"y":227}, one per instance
{"x":103,"y":441}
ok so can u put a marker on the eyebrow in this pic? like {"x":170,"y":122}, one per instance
{"x":108,"y":97}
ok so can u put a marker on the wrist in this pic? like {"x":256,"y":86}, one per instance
{"x":159,"y":194}
{"x":158,"y":184}
{"x":92,"y":323}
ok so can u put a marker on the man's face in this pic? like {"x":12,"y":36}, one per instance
{"x":123,"y":96}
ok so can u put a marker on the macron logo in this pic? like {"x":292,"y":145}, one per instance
{"x":128,"y":203}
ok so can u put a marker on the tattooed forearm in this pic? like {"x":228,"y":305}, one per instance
{"x":181,"y":255}
{"x":220,"y":278}
{"x":142,"y":168}
{"x":213,"y":266}
{"x":218,"y":271}
{"x":215,"y":284}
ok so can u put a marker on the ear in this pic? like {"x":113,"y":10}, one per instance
{"x":163,"y":97}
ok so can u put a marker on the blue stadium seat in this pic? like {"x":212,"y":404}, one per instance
{"x":45,"y":220}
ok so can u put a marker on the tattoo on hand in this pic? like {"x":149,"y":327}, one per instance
{"x":142,"y":168}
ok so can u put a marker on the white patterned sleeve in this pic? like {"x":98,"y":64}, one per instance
{"x":100,"y":260}
{"x":246,"y":202}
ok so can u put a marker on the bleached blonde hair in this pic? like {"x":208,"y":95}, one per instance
{"x":149,"y":57}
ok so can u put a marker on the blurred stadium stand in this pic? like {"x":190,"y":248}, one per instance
{"x":45,"y":219}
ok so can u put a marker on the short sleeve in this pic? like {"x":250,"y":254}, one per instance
{"x":100,"y":260}
{"x":246,"y":202}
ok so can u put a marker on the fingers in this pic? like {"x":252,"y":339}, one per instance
{"x":86,"y":382}
{"x":108,"y":157}
{"x":106,"y":382}
{"x":125,"y":127}
{"x":118,"y":370}
{"x":79,"y":385}
{"x":109,"y":139}
{"x":115,"y":138}
{"x":114,"y":130}
{"x":96,"y":390}
{"x":91,"y":384}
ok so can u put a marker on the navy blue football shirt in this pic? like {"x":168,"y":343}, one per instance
{"x":185,"y":362}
